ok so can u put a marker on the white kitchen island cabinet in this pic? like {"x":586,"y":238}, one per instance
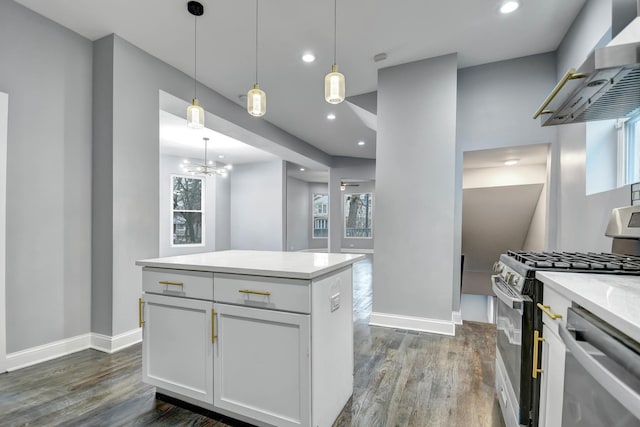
{"x":264,"y":337}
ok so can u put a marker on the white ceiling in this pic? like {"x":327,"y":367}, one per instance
{"x":179,"y":140}
{"x":525,"y":154}
{"x":407,"y":30}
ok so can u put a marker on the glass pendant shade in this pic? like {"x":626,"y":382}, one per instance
{"x":195,"y":115}
{"x":256,"y":101}
{"x":334,"y":86}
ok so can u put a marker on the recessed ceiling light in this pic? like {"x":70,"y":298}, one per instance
{"x":221,"y":156}
{"x":301,"y":169}
{"x":509,"y":6}
{"x":511,"y":162}
{"x":308,"y":57}
{"x":331,"y":116}
{"x":360,"y":142}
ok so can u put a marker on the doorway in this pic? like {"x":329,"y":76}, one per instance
{"x":4,"y":115}
{"x":504,"y":207}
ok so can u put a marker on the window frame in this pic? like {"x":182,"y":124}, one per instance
{"x":344,"y":215}
{"x":201,"y":211}
{"x":631,"y":151}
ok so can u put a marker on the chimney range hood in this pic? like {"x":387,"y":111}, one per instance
{"x":606,"y":86}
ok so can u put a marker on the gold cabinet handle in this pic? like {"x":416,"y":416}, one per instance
{"x":167,"y":282}
{"x":537,"y":339}
{"x":545,"y":310}
{"x":247,"y":291}
{"x":569,"y":75}
{"x":213,"y":326}
{"x":140,"y":319}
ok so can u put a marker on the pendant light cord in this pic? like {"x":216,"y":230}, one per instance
{"x":335,"y":31}
{"x":195,"y":53}
{"x":256,"y":41}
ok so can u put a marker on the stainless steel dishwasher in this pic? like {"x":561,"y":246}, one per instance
{"x":602,"y":374}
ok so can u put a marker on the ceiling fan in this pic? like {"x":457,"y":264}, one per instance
{"x":344,"y":185}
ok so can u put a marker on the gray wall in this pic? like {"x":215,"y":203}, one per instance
{"x":257,"y":206}
{"x":318,"y":188}
{"x":46,"y":70}
{"x":102,"y":185}
{"x":223,"y":214}
{"x":170,"y":166}
{"x":350,"y":168}
{"x":582,"y":219}
{"x":298,"y":214}
{"x":416,"y":143}
{"x":137,"y":79}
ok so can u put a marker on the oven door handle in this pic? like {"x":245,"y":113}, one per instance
{"x":624,"y":394}
{"x":511,"y":301}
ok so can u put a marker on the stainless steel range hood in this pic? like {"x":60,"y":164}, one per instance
{"x":606,"y":86}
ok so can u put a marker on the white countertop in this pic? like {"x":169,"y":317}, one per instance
{"x":613,"y":298}
{"x":298,"y":265}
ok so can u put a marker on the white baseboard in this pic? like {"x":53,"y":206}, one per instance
{"x":108,"y":344}
{"x":435,"y":326}
{"x":456,"y":317}
{"x":42,"y":353}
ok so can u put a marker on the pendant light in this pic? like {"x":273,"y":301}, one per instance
{"x":256,"y":98}
{"x":334,"y":81}
{"x":195,"y":113}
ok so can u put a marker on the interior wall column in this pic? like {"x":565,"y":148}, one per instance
{"x":4,"y":112}
{"x":414,"y":241}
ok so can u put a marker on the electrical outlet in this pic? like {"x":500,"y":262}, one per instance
{"x":335,"y":302}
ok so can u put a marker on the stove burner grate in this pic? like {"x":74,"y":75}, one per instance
{"x":578,"y":261}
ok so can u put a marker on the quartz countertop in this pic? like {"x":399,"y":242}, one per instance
{"x":298,"y":265}
{"x":613,"y":298}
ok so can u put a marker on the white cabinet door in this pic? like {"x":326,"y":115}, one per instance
{"x":262,"y":364}
{"x":177,"y":345}
{"x":552,"y":384}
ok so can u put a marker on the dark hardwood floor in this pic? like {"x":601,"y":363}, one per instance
{"x":402,"y":379}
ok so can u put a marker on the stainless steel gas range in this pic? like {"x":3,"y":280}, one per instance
{"x":519,"y":323}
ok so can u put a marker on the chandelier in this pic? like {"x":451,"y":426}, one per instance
{"x":207,"y":168}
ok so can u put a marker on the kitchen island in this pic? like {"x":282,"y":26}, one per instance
{"x":263,"y":337}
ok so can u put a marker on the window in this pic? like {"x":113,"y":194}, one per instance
{"x":320,"y":215}
{"x":187,"y":211}
{"x":358,"y":215}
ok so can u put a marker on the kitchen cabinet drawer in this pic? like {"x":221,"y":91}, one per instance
{"x":555,"y":304}
{"x":263,"y":292}
{"x":179,"y":283}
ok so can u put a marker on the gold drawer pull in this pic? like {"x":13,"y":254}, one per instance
{"x":247,"y":291}
{"x":213,"y":326}
{"x":140,"y":319}
{"x":537,"y":339}
{"x":545,"y":309}
{"x":167,"y":282}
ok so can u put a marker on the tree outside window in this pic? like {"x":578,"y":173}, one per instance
{"x":358,"y":215}
{"x":187,"y":211}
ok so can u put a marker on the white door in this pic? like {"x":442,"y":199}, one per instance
{"x":262,"y":364}
{"x":4,"y":109}
{"x":177,"y":349}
